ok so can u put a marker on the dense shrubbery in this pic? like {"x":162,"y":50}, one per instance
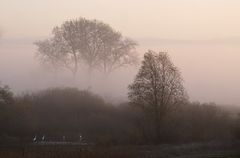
{"x":65,"y":112}
{"x":71,"y":112}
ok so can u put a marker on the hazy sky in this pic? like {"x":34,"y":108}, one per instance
{"x":202,"y":37}
{"x":187,"y":19}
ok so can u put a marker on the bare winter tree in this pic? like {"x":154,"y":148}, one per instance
{"x":6,"y":96}
{"x":118,"y":53}
{"x":157,"y":88}
{"x":91,"y":42}
{"x":59,"y":51}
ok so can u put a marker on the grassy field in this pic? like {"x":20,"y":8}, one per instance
{"x":210,"y":150}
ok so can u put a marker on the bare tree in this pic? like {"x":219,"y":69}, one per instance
{"x":157,"y":88}
{"x":58,"y":52}
{"x":118,"y":53}
{"x":6,"y":96}
{"x":91,"y":42}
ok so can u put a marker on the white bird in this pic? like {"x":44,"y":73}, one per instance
{"x":43,"y":137}
{"x":35,"y":139}
{"x":80,"y":138}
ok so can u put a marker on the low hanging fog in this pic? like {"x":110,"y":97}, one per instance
{"x":202,"y":39}
{"x":209,"y":68}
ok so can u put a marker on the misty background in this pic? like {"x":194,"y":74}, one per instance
{"x":202,"y":38}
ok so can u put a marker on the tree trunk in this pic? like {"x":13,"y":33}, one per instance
{"x":90,"y":70}
{"x":157,"y":127}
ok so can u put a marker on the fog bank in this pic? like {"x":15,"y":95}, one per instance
{"x":210,"y":70}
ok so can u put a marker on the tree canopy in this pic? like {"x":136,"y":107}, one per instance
{"x":6,"y":96}
{"x":158,"y":87}
{"x":89,"y":42}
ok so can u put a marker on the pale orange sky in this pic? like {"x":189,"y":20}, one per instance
{"x":202,"y":37}
{"x":184,"y":19}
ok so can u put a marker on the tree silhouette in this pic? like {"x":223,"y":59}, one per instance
{"x":6,"y":96}
{"x":157,"y":88}
{"x":88,"y":42}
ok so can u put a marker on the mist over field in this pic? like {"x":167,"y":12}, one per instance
{"x":209,"y":69}
{"x":109,"y":78}
{"x":202,"y":38}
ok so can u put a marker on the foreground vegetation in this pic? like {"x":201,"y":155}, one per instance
{"x":70,"y":112}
